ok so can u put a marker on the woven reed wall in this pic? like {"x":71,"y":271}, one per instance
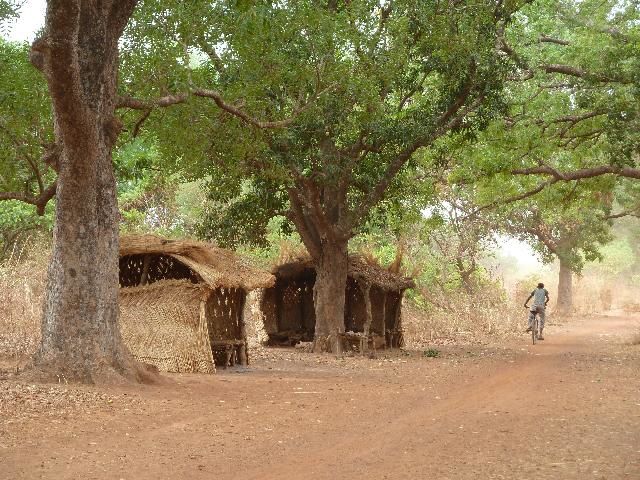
{"x":162,"y":325}
{"x":269,"y":310}
{"x":295,"y":305}
{"x":224,"y":310}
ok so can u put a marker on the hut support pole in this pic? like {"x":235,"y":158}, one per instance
{"x":366,"y":292}
{"x":383,"y":325}
{"x":243,"y":351}
{"x":397,"y":338}
{"x":145,"y":270}
{"x":205,"y":336}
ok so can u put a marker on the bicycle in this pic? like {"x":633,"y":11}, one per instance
{"x":534,"y":329}
{"x":534,"y":326}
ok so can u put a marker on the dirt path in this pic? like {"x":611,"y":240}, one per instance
{"x":568,"y":408}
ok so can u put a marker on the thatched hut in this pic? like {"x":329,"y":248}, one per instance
{"x":373,"y":304}
{"x":182,"y":303}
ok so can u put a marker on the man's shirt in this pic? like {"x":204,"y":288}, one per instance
{"x":540,"y":296}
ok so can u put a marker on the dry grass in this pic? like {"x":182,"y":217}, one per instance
{"x":22,"y":284}
{"x":465,"y":320}
{"x":458,"y":319}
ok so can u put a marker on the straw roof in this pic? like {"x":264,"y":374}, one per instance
{"x":217,"y":267}
{"x":360,"y":269}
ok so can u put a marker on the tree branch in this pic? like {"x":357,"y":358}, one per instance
{"x":516,"y":198}
{"x":138,"y":104}
{"x":449,"y":120}
{"x":573,"y":120}
{"x":624,"y":213}
{"x":557,"y":41}
{"x":627,"y":172}
{"x":147,"y":106}
{"x":580,"y":73}
{"x":245,"y":117}
{"x":40,"y":202}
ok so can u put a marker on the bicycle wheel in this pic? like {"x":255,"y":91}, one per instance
{"x":534,"y":330}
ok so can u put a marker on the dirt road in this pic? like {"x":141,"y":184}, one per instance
{"x":567,"y":408}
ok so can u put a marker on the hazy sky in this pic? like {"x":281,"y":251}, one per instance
{"x":30,"y":21}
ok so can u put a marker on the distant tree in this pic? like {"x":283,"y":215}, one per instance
{"x":462,"y":236}
{"x":567,"y":224}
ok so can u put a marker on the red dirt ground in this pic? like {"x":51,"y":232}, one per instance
{"x":567,"y":408}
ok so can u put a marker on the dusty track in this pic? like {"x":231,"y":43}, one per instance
{"x":566,"y":408}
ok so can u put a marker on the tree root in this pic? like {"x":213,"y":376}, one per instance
{"x":120,"y":369}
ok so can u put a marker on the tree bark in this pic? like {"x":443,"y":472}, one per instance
{"x":317,"y":213}
{"x":329,"y":296}
{"x":565,"y":288}
{"x":78,"y":55}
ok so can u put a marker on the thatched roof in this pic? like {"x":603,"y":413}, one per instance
{"x":217,"y":267}
{"x":360,"y":269}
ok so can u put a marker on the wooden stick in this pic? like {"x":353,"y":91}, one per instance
{"x":145,"y":270}
{"x":365,"y":287}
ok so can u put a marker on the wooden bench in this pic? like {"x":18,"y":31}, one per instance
{"x":229,"y":352}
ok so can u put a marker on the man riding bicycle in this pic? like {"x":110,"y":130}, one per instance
{"x":540,"y":300}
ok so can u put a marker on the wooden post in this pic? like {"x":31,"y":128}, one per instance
{"x":205,"y":336}
{"x":396,"y":323}
{"x":384,"y":317}
{"x":243,"y":351}
{"x":145,"y":270}
{"x":365,"y":287}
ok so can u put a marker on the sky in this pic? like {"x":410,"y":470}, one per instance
{"x":32,"y":19}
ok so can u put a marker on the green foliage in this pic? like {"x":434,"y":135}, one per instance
{"x":18,"y":221}
{"x":616,"y":257}
{"x":25,"y":122}
{"x":242,"y":212}
{"x":150,"y":198}
{"x":573,"y":104}
{"x":8,"y":12}
{"x":431,"y":353}
{"x":359,"y":76}
{"x":586,"y":116}
{"x":25,"y":129}
{"x":568,"y":222}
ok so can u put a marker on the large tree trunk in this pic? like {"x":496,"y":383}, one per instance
{"x":329,"y":297}
{"x":565,"y":288}
{"x":79,"y":56}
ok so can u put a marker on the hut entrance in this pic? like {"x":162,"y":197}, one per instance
{"x":223,"y":310}
{"x":295,"y":318}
